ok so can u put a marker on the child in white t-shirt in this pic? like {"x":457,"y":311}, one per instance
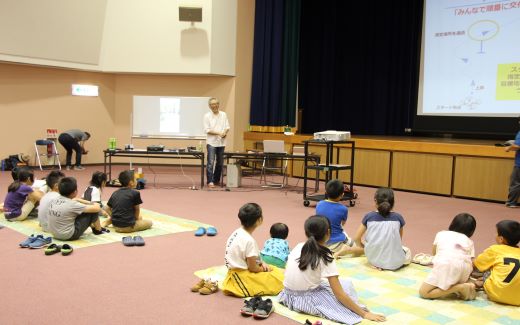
{"x":247,"y":275}
{"x":304,"y":289}
{"x":51,"y":183}
{"x":93,"y":192}
{"x":452,"y":264}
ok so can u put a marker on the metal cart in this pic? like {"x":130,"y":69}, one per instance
{"x":329,"y":167}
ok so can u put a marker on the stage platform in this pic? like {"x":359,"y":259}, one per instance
{"x":453,"y":167}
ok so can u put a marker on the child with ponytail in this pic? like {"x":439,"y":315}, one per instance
{"x":384,"y":231}
{"x":304,"y":291}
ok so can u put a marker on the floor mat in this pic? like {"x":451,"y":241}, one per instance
{"x":395,"y":294}
{"x":162,"y":225}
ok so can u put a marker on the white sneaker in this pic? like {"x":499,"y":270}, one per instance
{"x":79,"y":168}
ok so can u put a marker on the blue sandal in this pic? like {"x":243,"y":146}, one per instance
{"x":212,"y":231}
{"x":201,"y":231}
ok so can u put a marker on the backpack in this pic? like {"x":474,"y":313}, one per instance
{"x":13,"y":161}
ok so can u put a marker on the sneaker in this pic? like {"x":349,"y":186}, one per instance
{"x":68,"y":167}
{"x":512,"y":205}
{"x":209,"y":288}
{"x":198,"y":286}
{"x":40,"y":242}
{"x":250,"y":306}
{"x":264,"y":309}
{"x":211,"y":185}
{"x":29,"y":240}
{"x":79,"y":168}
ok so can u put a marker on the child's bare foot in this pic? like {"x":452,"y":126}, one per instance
{"x":467,"y":291}
{"x":479,"y":283}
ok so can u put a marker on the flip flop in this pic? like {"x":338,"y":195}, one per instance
{"x":212,"y":231}
{"x":66,"y":249}
{"x":138,"y":241}
{"x":128,"y":241}
{"x":52,"y":249}
{"x":201,"y":231}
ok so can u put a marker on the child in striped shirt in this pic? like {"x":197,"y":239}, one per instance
{"x":304,"y":291}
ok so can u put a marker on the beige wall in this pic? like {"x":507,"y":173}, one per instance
{"x":33,"y":99}
{"x":129,"y":36}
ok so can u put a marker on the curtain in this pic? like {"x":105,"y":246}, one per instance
{"x":359,"y":65}
{"x":275,"y":65}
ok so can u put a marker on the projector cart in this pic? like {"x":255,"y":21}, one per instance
{"x":329,"y":168}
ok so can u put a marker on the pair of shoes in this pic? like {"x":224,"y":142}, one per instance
{"x":205,"y":287}
{"x":512,"y":205}
{"x":198,"y":285}
{"x":135,"y":241}
{"x":79,"y":167}
{"x":423,"y":259}
{"x":201,"y":231}
{"x":257,"y":307}
{"x":38,"y":241}
{"x":65,"y":250}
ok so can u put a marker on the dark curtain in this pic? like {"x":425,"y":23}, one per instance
{"x":275,"y":65}
{"x":359,"y":65}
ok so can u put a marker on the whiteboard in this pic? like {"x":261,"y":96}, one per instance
{"x":169,"y":117}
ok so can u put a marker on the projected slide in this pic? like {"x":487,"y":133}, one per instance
{"x":471,"y":62}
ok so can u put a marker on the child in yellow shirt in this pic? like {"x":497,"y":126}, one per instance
{"x":501,"y":263}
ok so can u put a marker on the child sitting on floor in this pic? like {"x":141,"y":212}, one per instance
{"x":21,"y":199}
{"x":276,"y":248}
{"x":500,"y":264}
{"x":384,"y":232}
{"x":247,"y":275}
{"x":68,"y":216}
{"x":452,"y":264}
{"x":339,"y":243}
{"x":311,"y":262}
{"x":124,"y":206}
{"x":51,"y":182}
{"x":93,"y":192}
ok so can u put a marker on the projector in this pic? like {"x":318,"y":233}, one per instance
{"x":332,"y":135}
{"x":155,"y":148}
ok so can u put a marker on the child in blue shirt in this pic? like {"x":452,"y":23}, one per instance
{"x":276,"y":249}
{"x":331,"y":208}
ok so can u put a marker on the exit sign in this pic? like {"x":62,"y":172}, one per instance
{"x":85,"y":90}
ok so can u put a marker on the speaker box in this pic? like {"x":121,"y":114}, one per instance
{"x":234,"y":175}
{"x":190,"y":14}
